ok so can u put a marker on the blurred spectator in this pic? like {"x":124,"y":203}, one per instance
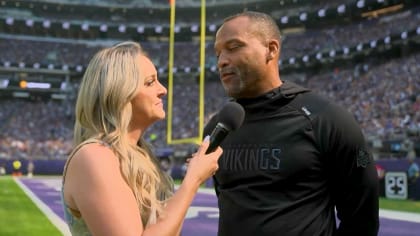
{"x":381,"y":178}
{"x":30,"y":169}
{"x":166,"y":165}
{"x":413,"y":174}
{"x":2,"y":169}
{"x":17,"y":168}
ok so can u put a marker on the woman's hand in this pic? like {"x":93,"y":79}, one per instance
{"x":202,"y":166}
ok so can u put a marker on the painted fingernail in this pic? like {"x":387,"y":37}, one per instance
{"x":207,"y":138}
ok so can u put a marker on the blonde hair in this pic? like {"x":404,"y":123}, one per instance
{"x":104,"y":112}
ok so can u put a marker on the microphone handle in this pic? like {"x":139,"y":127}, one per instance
{"x":217,"y":136}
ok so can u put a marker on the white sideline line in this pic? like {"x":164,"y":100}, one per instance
{"x":207,"y":191}
{"x":57,"y":221}
{"x":398,"y":215}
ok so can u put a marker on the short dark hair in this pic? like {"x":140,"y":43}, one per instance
{"x":266,"y":25}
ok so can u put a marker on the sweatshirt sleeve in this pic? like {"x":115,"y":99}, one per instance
{"x":352,"y":176}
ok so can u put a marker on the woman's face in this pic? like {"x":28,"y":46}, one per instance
{"x":147,"y":105}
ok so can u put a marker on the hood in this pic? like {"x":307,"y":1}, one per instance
{"x":291,"y":89}
{"x":263,"y":106}
{"x":275,"y":97}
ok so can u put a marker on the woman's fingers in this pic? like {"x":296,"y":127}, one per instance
{"x":204,"y":145}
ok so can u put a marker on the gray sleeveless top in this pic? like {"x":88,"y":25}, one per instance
{"x":73,"y":217}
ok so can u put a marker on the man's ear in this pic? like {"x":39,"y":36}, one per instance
{"x":273,"y":49}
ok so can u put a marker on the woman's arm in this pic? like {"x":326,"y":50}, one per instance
{"x":95,"y":187}
{"x":200,"y":168}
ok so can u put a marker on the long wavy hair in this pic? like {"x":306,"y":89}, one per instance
{"x":103,"y":112}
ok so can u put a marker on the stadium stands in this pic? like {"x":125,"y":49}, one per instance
{"x":379,"y":84}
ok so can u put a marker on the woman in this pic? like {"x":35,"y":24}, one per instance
{"x":112,"y":184}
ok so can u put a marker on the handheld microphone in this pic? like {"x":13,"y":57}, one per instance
{"x":230,"y":118}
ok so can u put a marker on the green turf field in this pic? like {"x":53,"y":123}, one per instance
{"x":19,"y":215}
{"x":400,"y":205}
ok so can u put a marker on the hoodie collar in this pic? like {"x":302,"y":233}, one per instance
{"x":284,"y":92}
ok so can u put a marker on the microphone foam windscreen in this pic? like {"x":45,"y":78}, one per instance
{"x":232,"y":115}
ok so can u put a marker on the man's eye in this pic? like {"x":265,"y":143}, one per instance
{"x":233,"y":48}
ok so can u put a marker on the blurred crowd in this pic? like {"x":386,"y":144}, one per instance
{"x":153,"y":17}
{"x":384,"y":98}
{"x":186,"y":54}
{"x":383,"y":95}
{"x":34,"y":129}
{"x":310,"y":41}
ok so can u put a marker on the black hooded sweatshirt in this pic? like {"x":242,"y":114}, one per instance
{"x":297,"y":164}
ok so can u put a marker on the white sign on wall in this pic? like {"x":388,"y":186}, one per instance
{"x":396,"y":185}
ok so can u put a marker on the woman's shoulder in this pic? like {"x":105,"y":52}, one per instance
{"x":93,"y":146}
{"x":94,"y":152}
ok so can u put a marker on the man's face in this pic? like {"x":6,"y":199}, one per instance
{"x":242,"y":58}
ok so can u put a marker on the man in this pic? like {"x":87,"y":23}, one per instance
{"x":297,"y":157}
{"x":413,"y":174}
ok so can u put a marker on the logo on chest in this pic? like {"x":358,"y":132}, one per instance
{"x":250,"y":157}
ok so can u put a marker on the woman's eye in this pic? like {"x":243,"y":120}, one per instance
{"x":150,"y":82}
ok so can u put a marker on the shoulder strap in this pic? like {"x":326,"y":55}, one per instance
{"x":77,"y":148}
